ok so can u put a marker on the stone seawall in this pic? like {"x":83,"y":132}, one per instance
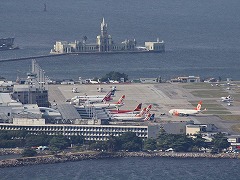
{"x":60,"y":158}
{"x":10,"y":151}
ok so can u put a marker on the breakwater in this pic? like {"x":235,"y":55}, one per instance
{"x":10,"y":151}
{"x":30,"y":57}
{"x":67,"y":157}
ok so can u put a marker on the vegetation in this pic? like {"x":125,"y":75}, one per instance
{"x":208,"y":93}
{"x":59,"y":143}
{"x":116,"y":76}
{"x":236,"y":128}
{"x":231,"y":117}
{"x":13,"y":139}
{"x":128,"y":141}
{"x":29,"y":152}
{"x":220,"y":142}
{"x":37,"y":140}
{"x":199,"y":86}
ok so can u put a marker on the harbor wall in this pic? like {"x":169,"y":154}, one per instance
{"x":69,"y":157}
{"x":74,"y":53}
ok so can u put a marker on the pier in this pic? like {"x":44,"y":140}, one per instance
{"x":30,"y":57}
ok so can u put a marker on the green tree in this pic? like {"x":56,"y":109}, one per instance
{"x":99,"y":145}
{"x":114,"y":144}
{"x":37,"y":140}
{"x":220,"y":142}
{"x":76,"y":140}
{"x":150,"y":144}
{"x":131,"y":142}
{"x":59,"y":143}
{"x":29,"y":152}
{"x":165,"y":141}
{"x":199,"y":142}
{"x":178,"y":142}
{"x":182,"y":143}
{"x":116,"y":76}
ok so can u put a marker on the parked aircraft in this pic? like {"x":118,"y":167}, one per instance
{"x":186,"y":112}
{"x":136,"y":110}
{"x":227,"y":98}
{"x":106,"y":105}
{"x":139,"y":114}
{"x":136,"y":118}
{"x":92,"y":99}
{"x":136,"y":113}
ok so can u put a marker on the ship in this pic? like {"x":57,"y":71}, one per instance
{"x":7,"y":44}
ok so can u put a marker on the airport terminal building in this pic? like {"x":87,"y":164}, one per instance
{"x":89,"y":132}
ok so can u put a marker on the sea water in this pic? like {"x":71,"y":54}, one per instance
{"x":202,"y":37}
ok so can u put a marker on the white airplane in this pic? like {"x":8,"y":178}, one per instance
{"x":186,"y":112}
{"x":141,"y":113}
{"x":93,"y":96}
{"x":147,"y":118}
{"x":74,"y":90}
{"x":227,"y":99}
{"x":136,"y":110}
{"x":91,"y":99}
{"x":106,"y":105}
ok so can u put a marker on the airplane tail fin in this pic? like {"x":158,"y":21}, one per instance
{"x":199,"y":106}
{"x":108,"y":96}
{"x":143,"y":111}
{"x":152,"y":117}
{"x":138,"y":108}
{"x":148,"y":108}
{"x":113,"y":90}
{"x":120,"y":101}
{"x":149,"y":117}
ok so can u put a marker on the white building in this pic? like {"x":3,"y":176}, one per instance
{"x":90,"y":132}
{"x":104,"y":43}
{"x":155,"y":46}
{"x":149,"y":80}
{"x":187,"y":79}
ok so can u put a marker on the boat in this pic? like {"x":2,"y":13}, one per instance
{"x":7,"y":44}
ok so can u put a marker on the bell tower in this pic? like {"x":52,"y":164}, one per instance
{"x":104,"y":40}
{"x":104,"y":33}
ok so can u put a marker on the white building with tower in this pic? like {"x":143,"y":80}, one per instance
{"x":105,"y":44}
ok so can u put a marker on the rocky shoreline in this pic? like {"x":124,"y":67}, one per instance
{"x":10,"y":151}
{"x":79,"y":156}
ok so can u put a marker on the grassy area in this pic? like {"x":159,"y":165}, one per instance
{"x":216,"y":107}
{"x":236,"y":96}
{"x":236,"y":128}
{"x":210,"y":105}
{"x":200,"y":86}
{"x":216,"y":112}
{"x":209,"y":93}
{"x":230,"y":117}
{"x":194,"y":103}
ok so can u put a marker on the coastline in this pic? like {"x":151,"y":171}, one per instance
{"x":91,"y":155}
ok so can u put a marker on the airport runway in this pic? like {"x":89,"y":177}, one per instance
{"x":163,"y":97}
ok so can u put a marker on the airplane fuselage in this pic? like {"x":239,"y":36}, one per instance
{"x":101,"y":105}
{"x":183,"y":112}
{"x":125,"y":115}
{"x":128,"y":118}
{"x":123,"y":111}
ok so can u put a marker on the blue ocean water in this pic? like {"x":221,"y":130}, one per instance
{"x":130,"y":168}
{"x":202,"y":37}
